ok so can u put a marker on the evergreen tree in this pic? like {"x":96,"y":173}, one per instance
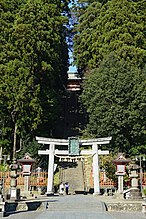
{"x":114,"y":96}
{"x":34,"y":66}
{"x":117,"y":26}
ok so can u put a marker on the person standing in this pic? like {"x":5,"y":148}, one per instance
{"x":66,"y":188}
{"x":61,"y":189}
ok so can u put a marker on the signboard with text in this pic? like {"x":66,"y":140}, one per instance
{"x":73,"y":146}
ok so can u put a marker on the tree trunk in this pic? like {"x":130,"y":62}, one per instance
{"x":14,"y":142}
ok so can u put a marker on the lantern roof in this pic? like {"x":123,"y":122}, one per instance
{"x":121,"y":159}
{"x":133,"y":166}
{"x":26,"y":159}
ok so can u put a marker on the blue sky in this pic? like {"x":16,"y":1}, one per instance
{"x":72,"y":68}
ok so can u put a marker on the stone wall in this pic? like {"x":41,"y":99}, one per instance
{"x":124,"y":206}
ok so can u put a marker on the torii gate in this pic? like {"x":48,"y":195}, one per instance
{"x":51,"y":152}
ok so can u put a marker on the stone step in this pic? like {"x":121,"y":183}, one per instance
{"x":76,"y":203}
{"x":74,"y":176}
{"x":73,"y":206}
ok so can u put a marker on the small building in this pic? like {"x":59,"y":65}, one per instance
{"x":74,"y":82}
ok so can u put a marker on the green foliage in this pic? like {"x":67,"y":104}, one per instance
{"x":138,"y":150}
{"x":30,"y":145}
{"x":114,"y":96}
{"x":117,"y":26}
{"x":34,"y":62}
{"x":108,"y":166}
{"x":114,"y":90}
{"x":144,"y":191}
{"x":4,"y":168}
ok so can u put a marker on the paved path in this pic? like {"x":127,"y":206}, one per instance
{"x":76,"y":207}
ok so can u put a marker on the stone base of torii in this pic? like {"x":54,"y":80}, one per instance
{"x":51,"y":152}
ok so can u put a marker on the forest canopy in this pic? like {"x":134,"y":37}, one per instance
{"x":34,"y":64}
{"x":114,"y":95}
{"x":109,"y":47}
{"x":110,"y":51}
{"x":117,"y":26}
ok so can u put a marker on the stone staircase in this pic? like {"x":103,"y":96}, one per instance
{"x":76,"y":203}
{"x":87,"y":164}
{"x":73,"y":174}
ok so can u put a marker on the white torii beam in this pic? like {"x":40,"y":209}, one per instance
{"x":99,"y":141}
{"x":51,"y":152}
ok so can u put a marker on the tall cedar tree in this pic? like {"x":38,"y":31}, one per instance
{"x":34,"y":65}
{"x":118,"y":26}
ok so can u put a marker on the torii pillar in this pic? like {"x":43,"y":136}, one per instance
{"x":96,"y":169}
{"x":51,"y":169}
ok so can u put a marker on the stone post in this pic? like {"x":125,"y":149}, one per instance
{"x":38,"y":179}
{"x":26,"y":183}
{"x":120,"y":183}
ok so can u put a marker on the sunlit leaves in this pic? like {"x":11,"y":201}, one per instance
{"x":34,"y":58}
{"x":114,"y":96}
{"x":117,"y":26}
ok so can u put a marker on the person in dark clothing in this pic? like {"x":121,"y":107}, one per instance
{"x":66,"y":188}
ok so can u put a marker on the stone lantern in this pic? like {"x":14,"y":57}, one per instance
{"x":134,"y":191}
{"x":26,"y":163}
{"x":14,"y":191}
{"x":133,"y":168}
{"x":120,"y":163}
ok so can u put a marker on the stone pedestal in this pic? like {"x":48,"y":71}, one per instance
{"x":13,"y":183}
{"x":120,"y":183}
{"x":133,"y":192}
{"x":26,"y":183}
